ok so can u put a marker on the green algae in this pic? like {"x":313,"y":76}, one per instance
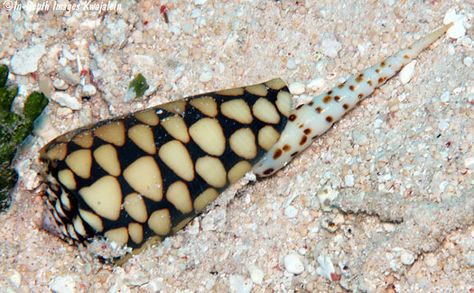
{"x":14,"y":128}
{"x":139,"y":85}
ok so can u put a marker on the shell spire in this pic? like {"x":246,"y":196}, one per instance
{"x":309,"y":121}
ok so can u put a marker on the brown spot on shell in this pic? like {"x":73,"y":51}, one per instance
{"x":303,"y":140}
{"x":351,"y":87}
{"x":406,"y":56}
{"x":360,"y":77}
{"x":327,"y":99}
{"x":360,"y":96}
{"x":268,"y":171}
{"x":330,"y":92}
{"x":369,"y":82}
{"x":307,"y":131}
{"x":345,"y":106}
{"x":329,"y":119}
{"x":292,"y":117}
{"x":286,"y":147}
{"x":382,"y":64}
{"x":341,"y":85}
{"x":382,"y":79}
{"x":310,"y":104}
{"x":319,"y":109}
{"x":377,"y":70}
{"x":277,"y":154}
{"x":337,"y":98}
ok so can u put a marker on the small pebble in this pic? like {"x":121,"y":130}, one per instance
{"x":378,"y":122}
{"x":385,"y":177}
{"x":26,"y":61}
{"x":445,"y":97}
{"x":349,"y":180}
{"x":291,"y":212}
{"x":296,"y":88}
{"x":451,"y":49}
{"x":468,"y":61}
{"x":466,"y":42}
{"x":130,"y":95}
{"x":443,"y":125}
{"x":16,"y":15}
{"x":85,"y":116}
{"x":442,"y":186}
{"x":196,"y":13}
{"x":407,"y":258}
{"x":44,"y":128}
{"x":469,"y":163}
{"x":215,"y":218}
{"x":469,"y":259}
{"x":67,"y":54}
{"x":155,"y":285}
{"x":87,"y":268}
{"x":339,"y":219}
{"x":316,"y":84}
{"x":68,"y":76}
{"x":175,"y":30}
{"x":136,"y":278}
{"x":88,"y":90}
{"x":60,"y":84}
{"x":293,"y":263}
{"x":250,"y":176}
{"x":205,"y":76}
{"x":407,"y":72}
{"x":141,"y":60}
{"x":431,"y":260}
{"x":457,"y":30}
{"x":326,"y":198}
{"x":457,"y":91}
{"x":113,"y":31}
{"x":326,"y":268}
{"x":239,"y":285}
{"x":331,"y":47}
{"x":188,"y":28}
{"x":15,"y":279}
{"x":389,"y":227}
{"x":359,"y":137}
{"x":62,"y":61}
{"x":291,"y":64}
{"x":66,"y":100}
{"x":46,"y":86}
{"x":256,"y":274}
{"x":63,"y":284}
{"x":89,"y":24}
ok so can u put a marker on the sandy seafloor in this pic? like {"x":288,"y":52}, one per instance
{"x":383,"y":202}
